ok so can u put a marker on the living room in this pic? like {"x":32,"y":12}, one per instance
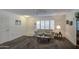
{"x":41,"y":24}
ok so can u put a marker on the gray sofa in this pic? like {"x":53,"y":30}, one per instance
{"x":44,"y":32}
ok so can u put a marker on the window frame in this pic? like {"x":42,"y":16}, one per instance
{"x":49,"y":21}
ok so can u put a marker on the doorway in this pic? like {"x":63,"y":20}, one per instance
{"x":77,"y":30}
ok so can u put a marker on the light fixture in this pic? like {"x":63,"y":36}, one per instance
{"x":26,"y":16}
{"x":58,"y":27}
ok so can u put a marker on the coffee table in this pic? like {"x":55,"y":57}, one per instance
{"x":43,"y":39}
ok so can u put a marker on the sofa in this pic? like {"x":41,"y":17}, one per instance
{"x":44,"y":32}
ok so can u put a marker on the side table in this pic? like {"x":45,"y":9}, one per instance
{"x":58,"y":35}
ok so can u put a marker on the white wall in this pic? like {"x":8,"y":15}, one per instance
{"x":30,"y":26}
{"x":4,"y":26}
{"x":17,"y":30}
{"x":71,"y":30}
{"x":8,"y":29}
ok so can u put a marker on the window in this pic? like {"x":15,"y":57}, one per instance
{"x":42,"y":24}
{"x":38,"y":24}
{"x":45,"y":24}
{"x":51,"y":24}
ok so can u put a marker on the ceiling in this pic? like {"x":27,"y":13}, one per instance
{"x":37,"y":11}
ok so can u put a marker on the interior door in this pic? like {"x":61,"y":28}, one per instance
{"x":4,"y":29}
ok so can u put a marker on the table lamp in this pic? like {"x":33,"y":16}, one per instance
{"x":58,"y":27}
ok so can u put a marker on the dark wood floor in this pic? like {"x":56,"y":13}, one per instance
{"x":26,"y":42}
{"x":77,"y":42}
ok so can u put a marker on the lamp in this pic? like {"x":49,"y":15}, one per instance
{"x":58,"y":27}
